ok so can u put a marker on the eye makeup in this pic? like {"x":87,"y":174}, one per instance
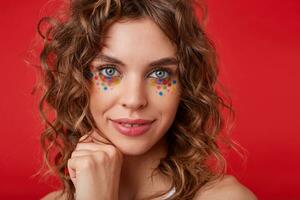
{"x":104,"y":83}
{"x":160,"y":78}
{"x":164,"y":86}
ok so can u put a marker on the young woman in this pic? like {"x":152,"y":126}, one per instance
{"x":136,"y":111}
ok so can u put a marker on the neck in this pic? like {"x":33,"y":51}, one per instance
{"x":135,"y":179}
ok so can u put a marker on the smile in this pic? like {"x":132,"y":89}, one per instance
{"x":130,"y":127}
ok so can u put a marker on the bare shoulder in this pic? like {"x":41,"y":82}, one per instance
{"x":56,"y":195}
{"x":227,"y":188}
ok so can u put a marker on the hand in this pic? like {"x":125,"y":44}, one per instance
{"x":95,"y":169}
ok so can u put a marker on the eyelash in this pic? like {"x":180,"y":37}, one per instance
{"x":160,"y":68}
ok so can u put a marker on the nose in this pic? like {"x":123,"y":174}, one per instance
{"x":133,"y":95}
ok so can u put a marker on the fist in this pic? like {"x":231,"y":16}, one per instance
{"x":95,"y":167}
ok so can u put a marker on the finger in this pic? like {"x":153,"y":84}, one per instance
{"x":93,"y":147}
{"x":73,"y":166}
{"x":79,"y":164}
{"x":85,"y":138}
{"x":79,"y":153}
{"x":110,"y":150}
{"x":72,"y":172}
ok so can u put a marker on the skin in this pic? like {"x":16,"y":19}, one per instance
{"x":227,"y":188}
{"x":134,"y":89}
{"x":125,"y":163}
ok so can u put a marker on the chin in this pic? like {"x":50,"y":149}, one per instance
{"x":131,"y":148}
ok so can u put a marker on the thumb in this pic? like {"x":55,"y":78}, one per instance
{"x":72,"y":172}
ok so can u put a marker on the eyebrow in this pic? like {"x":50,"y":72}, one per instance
{"x":161,"y":61}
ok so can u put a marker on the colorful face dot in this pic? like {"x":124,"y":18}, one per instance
{"x":104,"y":83}
{"x":107,"y":83}
{"x":163,"y":86}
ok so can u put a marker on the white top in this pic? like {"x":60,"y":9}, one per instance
{"x":172,"y":191}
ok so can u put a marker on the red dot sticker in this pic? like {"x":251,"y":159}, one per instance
{"x":165,"y":82}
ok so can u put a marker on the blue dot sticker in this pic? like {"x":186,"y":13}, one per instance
{"x":161,"y":93}
{"x":174,"y":81}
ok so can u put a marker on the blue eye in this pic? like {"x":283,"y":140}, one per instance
{"x":109,"y":71}
{"x":161,"y":73}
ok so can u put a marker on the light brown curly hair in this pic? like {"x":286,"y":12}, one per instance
{"x":71,"y":42}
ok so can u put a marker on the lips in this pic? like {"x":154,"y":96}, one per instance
{"x":132,"y":127}
{"x":132,"y":121}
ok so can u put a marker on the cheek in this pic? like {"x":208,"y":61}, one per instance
{"x":100,"y":103}
{"x":165,"y":96}
{"x":105,"y":84}
{"x":164,"y":88}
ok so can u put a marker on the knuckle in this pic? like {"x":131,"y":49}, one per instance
{"x":87,"y":162}
{"x":114,"y":153}
{"x":102,"y":157}
{"x":69,"y":162}
{"x":78,"y":145}
{"x":73,"y":154}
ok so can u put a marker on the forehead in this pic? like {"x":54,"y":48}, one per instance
{"x":140,"y":38}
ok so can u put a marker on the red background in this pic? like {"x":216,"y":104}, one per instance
{"x":258,"y":44}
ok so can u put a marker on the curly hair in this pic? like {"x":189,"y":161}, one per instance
{"x":71,"y":42}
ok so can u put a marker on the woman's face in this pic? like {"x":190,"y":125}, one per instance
{"x":135,"y":77}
